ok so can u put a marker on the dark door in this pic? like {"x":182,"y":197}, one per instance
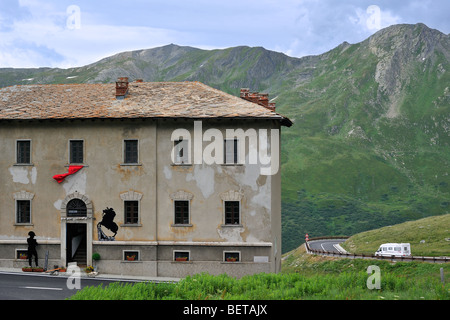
{"x":76,"y":243}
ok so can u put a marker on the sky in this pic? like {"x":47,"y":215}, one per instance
{"x":74,"y":33}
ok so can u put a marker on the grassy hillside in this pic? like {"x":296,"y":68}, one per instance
{"x":434,"y":232}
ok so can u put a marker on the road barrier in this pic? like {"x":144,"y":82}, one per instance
{"x":372,"y":256}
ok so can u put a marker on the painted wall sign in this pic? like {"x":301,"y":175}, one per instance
{"x":108,"y":223}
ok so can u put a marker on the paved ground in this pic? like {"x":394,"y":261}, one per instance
{"x":18,"y":285}
{"x":325,"y":245}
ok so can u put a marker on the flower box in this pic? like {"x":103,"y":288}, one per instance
{"x":231,"y":259}
{"x":38,"y":269}
{"x":131,"y":258}
{"x":181,"y":259}
{"x":27,"y":269}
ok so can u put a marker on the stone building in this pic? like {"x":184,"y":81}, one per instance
{"x":134,"y":172}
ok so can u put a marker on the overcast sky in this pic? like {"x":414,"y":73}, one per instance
{"x":69,"y":33}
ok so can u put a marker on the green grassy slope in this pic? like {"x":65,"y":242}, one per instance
{"x":428,"y":237}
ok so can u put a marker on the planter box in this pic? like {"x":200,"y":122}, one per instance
{"x":181,"y":259}
{"x":25,"y":269}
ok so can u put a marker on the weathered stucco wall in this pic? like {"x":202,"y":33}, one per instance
{"x":105,"y":181}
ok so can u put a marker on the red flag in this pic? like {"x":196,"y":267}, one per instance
{"x":72,"y":170}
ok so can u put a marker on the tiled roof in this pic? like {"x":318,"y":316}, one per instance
{"x":144,"y":100}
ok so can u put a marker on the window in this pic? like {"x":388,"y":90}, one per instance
{"x":181,"y":255}
{"x":181,"y":211}
{"x":131,"y":204}
{"x":23,"y":211}
{"x":76,"y":151}
{"x":232,"y":214}
{"x":131,"y":151}
{"x":230,"y":151}
{"x":23,"y":206}
{"x":232,"y":256}
{"x":181,"y":150}
{"x":131,"y":212}
{"x":76,"y":208}
{"x":23,"y":152}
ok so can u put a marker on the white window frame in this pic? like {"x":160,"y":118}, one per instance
{"x":138,"y":253}
{"x":228,"y":251}
{"x":181,"y":251}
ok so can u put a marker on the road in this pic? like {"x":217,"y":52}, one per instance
{"x":325,"y":245}
{"x":24,"y":286}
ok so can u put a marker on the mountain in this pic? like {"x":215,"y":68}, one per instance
{"x":370,"y":142}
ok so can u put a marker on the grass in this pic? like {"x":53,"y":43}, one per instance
{"x":313,"y":277}
{"x":304,"y":277}
{"x":432,"y":231}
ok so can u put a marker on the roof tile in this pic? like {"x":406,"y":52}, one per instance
{"x":145,"y":100}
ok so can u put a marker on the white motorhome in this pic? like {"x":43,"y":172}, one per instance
{"x":394,"y":249}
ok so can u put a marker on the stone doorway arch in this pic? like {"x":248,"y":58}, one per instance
{"x":84,"y":215}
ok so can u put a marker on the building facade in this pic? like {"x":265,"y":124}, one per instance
{"x":159,"y":179}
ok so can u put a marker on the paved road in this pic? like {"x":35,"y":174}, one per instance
{"x":325,"y":245}
{"x":21,"y":286}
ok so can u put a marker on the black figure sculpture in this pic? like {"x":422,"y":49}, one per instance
{"x":32,"y":244}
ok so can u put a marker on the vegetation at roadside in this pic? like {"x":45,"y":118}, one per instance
{"x":304,"y":277}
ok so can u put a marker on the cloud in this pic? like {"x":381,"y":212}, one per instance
{"x":66,"y":33}
{"x":55,"y":38}
{"x":323,"y":25}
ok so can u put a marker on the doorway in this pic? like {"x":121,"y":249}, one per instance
{"x":76,"y":244}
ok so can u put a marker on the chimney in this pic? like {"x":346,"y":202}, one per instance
{"x":244,"y":93}
{"x":121,"y":87}
{"x":260,"y":98}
